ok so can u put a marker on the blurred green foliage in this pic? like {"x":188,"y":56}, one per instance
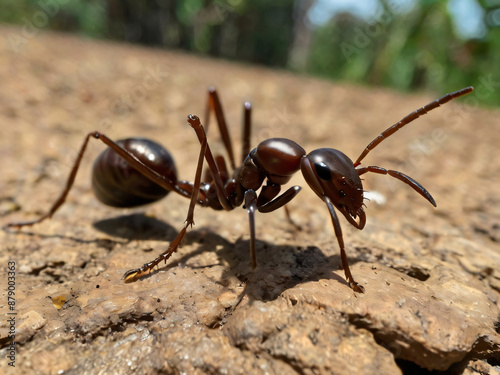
{"x":419,"y":49}
{"x":85,"y":16}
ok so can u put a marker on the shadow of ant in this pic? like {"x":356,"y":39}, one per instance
{"x":282,"y":267}
{"x":137,"y":226}
{"x":133,"y":227}
{"x":291,"y":265}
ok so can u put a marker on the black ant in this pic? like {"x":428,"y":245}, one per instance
{"x":137,"y":171}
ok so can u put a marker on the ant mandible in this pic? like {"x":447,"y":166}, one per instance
{"x":148,"y":174}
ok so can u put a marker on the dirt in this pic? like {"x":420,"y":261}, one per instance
{"x":431,"y":275}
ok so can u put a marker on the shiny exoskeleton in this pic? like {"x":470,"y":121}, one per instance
{"x":136,"y":171}
{"x":116,"y":184}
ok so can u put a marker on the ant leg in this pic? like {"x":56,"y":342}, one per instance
{"x":64,"y":194}
{"x":402,"y":177}
{"x":409,"y":118}
{"x":222,"y":168}
{"x":247,"y":127}
{"x":251,"y":205}
{"x":205,"y":153}
{"x":280,"y":200}
{"x":290,"y":220}
{"x":131,"y":274}
{"x":267,"y":193}
{"x":338,"y":233}
{"x":214,"y":105}
{"x":195,"y":123}
{"x":267,"y":198}
{"x":130,"y":158}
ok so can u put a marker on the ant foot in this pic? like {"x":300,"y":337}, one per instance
{"x":194,"y":121}
{"x":131,"y":274}
{"x":356,"y":287}
{"x":21,"y":224}
{"x":15,"y":225}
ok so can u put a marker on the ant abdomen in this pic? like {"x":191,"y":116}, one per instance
{"x":116,"y":183}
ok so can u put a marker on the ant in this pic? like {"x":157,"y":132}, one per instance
{"x":137,"y":171}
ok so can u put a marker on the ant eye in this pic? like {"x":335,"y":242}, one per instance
{"x":323,"y":171}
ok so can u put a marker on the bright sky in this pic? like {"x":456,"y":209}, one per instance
{"x":468,"y":14}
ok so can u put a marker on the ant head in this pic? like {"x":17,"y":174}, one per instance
{"x":331,"y":174}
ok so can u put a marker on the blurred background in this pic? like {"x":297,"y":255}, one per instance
{"x":412,"y":45}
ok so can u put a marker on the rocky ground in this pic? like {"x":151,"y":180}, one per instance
{"x":431,"y":275}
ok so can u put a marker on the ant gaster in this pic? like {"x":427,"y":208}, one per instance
{"x":137,"y":171}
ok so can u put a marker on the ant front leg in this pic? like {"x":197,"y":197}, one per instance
{"x":279,"y":201}
{"x":268,"y":200}
{"x":338,"y":233}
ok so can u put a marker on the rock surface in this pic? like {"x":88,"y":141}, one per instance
{"x":432,"y":276}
